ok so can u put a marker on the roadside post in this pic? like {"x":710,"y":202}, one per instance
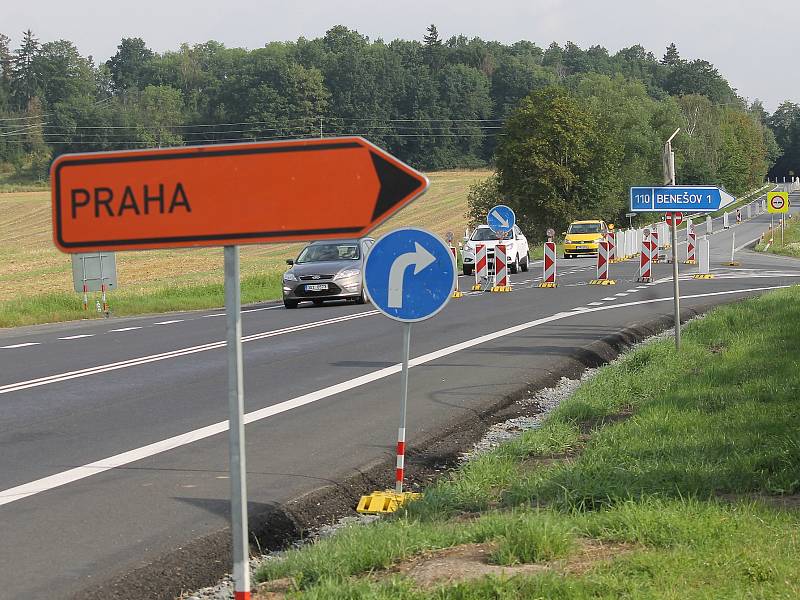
{"x":691,"y":243}
{"x":733,"y":262}
{"x":703,"y":253}
{"x":408,"y":295}
{"x":448,"y":237}
{"x":549,"y":264}
{"x":678,"y":199}
{"x":228,"y":195}
{"x":725,"y":221}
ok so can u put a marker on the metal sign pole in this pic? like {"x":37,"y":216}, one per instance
{"x":675,"y":287}
{"x":401,"y":432}
{"x":238,"y":468}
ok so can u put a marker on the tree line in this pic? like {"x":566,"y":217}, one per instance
{"x":435,"y":103}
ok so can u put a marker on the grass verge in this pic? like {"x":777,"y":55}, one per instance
{"x":691,"y":459}
{"x":791,"y":240}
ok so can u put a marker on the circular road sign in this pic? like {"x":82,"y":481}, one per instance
{"x":551,"y":232}
{"x":501,"y":219}
{"x":777,"y":202}
{"x":448,"y":237}
{"x":410,"y":274}
{"x":678,"y":218}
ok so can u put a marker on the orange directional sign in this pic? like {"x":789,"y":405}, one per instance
{"x":226,"y":195}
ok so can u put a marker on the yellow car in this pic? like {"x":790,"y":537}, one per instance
{"x":584,"y":237}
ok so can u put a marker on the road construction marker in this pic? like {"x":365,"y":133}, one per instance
{"x":646,"y":258}
{"x":602,"y":266}
{"x":388,"y":501}
{"x":691,"y":242}
{"x":549,"y":266}
{"x":481,"y":268}
{"x":501,"y":280}
{"x":733,"y":262}
{"x":457,"y":293}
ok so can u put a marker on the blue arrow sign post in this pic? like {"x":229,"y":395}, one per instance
{"x":410,"y":275}
{"x":501,"y":219}
{"x":687,"y":198}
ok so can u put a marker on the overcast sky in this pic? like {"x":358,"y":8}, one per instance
{"x":753,"y":44}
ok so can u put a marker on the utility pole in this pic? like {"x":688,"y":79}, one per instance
{"x":669,"y":179}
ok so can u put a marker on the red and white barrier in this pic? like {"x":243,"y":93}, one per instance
{"x":612,"y":245}
{"x":549,"y":269}
{"x":501,"y":281}
{"x":602,"y":266}
{"x":654,"y":241}
{"x":481,"y":267}
{"x":649,"y":252}
{"x":691,"y":244}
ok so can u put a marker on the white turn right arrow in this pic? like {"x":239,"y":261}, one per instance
{"x":500,"y":218}
{"x":420,"y":258}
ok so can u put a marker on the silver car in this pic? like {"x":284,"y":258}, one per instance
{"x":327,"y":270}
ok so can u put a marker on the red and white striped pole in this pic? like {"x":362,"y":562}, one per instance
{"x":481,"y":267}
{"x":549,"y":269}
{"x":502,"y":283}
{"x":105,"y":303}
{"x":602,"y":266}
{"x":654,"y":240}
{"x":85,"y":296}
{"x":612,"y":245}
{"x":691,"y":244}
{"x":401,"y":432}
{"x":646,"y":257}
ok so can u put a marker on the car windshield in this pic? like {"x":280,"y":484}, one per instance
{"x":584,"y":228}
{"x":483,"y":234}
{"x":328,"y":252}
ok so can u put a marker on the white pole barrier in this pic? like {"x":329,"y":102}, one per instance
{"x":725,"y":223}
{"x":709,"y":225}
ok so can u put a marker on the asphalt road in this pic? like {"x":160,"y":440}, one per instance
{"x":147,"y":396}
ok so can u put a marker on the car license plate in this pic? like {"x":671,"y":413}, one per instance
{"x":583,"y":247}
{"x":316,"y":287}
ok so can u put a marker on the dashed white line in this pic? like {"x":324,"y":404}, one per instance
{"x":632,"y":291}
{"x":77,"y":337}
{"x":122,"y":329}
{"x":610,"y":298}
{"x":621,"y":294}
{"x":169,"y":322}
{"x":78,"y":473}
{"x":594,"y":304}
{"x":12,"y":346}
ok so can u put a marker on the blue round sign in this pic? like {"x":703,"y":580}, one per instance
{"x":410,"y":274}
{"x":501,"y":219}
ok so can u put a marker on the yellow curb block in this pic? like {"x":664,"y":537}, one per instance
{"x":690,"y":262}
{"x":732,"y":264}
{"x":501,"y":288}
{"x":703,"y":276}
{"x":547,"y":284}
{"x":644,"y":279}
{"x":476,"y":287}
{"x":381,"y":502}
{"x":458,"y":294}
{"x":603,"y":282}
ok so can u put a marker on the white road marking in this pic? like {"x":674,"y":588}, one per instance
{"x":595,"y":304}
{"x":77,"y":337}
{"x":59,"y":479}
{"x":169,"y":322}
{"x":621,"y":294}
{"x":632,"y":291}
{"x":609,"y":299}
{"x":123,"y":329}
{"x":22,"y":385}
{"x":12,"y":346}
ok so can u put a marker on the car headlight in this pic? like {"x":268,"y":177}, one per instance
{"x":289,"y":276}
{"x":347,"y":273}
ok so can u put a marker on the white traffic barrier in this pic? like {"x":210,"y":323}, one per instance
{"x":638,"y":241}
{"x":725,"y":223}
{"x":630,"y":242}
{"x":619,"y":243}
{"x":481,"y":268}
{"x":709,"y":225}
{"x":549,"y":269}
{"x":703,"y":256}
{"x":749,"y":212}
{"x":501,"y":281}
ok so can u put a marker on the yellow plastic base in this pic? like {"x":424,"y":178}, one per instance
{"x":385,"y":501}
{"x":548,"y":284}
{"x":603,"y":282}
{"x":644,"y":279}
{"x":458,"y":294}
{"x":501,"y":288}
{"x":703,"y":276}
{"x":476,"y":287}
{"x":733,"y":263}
{"x":690,"y":262}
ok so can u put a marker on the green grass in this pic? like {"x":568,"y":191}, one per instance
{"x":65,"y":306}
{"x":674,"y":454}
{"x":791,"y":240}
